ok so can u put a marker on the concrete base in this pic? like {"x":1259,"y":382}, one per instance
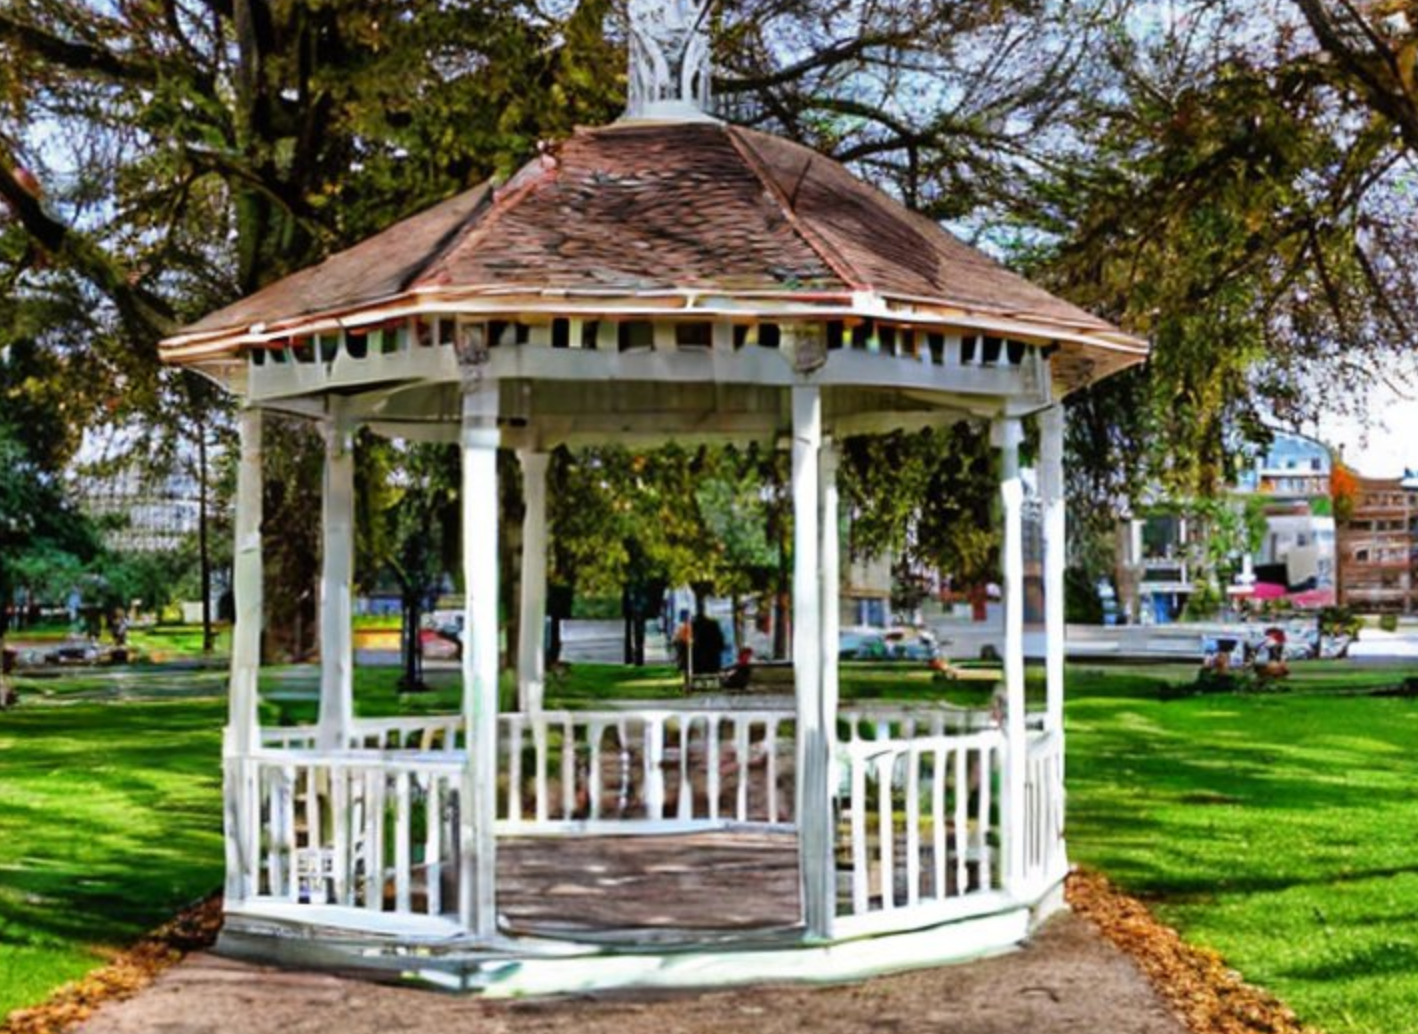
{"x":518,"y":967}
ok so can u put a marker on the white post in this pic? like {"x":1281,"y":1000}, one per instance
{"x":336,"y":578}
{"x":1051,"y":434}
{"x":1136,"y":571}
{"x":814,"y":750}
{"x":531,"y":657}
{"x":477,"y":902}
{"x":1008,"y":435}
{"x":243,"y":734}
{"x":831,"y":588}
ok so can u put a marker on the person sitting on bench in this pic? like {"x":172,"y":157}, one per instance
{"x":741,"y":673}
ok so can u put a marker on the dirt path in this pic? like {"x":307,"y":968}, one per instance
{"x":1067,"y":979}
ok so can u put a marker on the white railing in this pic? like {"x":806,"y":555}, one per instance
{"x":922,"y":818}
{"x":374,"y":826}
{"x":891,"y":720}
{"x":424,"y":733}
{"x":355,"y":829}
{"x":1045,"y":860}
{"x":646,"y":770}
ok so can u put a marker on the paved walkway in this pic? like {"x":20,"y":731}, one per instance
{"x":1068,"y":979}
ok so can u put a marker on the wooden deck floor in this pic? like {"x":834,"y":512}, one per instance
{"x":602,"y":886}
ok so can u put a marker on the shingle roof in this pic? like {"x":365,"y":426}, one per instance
{"x":647,"y":207}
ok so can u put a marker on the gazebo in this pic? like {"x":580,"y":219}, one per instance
{"x":667,"y":277}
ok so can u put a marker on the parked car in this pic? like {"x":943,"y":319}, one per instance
{"x":894,"y":644}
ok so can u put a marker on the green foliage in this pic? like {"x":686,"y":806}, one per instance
{"x":1340,"y":621}
{"x":709,"y":517}
{"x":408,"y":529}
{"x":928,"y":497}
{"x":45,"y":542}
{"x":1204,"y":602}
{"x":1240,"y":207}
{"x":293,"y":457}
{"x":1388,"y":622}
{"x":1082,"y":605}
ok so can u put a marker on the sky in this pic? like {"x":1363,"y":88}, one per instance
{"x":1387,"y":446}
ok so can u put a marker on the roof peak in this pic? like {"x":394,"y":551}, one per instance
{"x":669,"y":61}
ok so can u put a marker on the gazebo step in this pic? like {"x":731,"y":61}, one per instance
{"x":517,"y":967}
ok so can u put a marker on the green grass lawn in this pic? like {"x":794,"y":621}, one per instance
{"x":110,"y":821}
{"x":1279,"y":829}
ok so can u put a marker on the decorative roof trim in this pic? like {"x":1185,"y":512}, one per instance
{"x":664,"y":304}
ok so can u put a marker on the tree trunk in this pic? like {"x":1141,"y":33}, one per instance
{"x":411,"y":646}
{"x":627,"y":632}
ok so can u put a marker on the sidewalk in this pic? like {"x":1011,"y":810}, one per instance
{"x":1068,"y":979}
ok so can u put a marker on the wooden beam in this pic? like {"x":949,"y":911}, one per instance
{"x":531,"y":659}
{"x":477,"y":901}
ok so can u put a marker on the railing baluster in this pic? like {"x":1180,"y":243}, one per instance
{"x":593,"y":773}
{"x":568,"y":768}
{"x":886,"y":828}
{"x":514,"y":769}
{"x":770,"y":774}
{"x":961,"y":832}
{"x":860,"y":871}
{"x":339,"y":821}
{"x":433,"y":845}
{"x":711,"y":763}
{"x":938,"y":779}
{"x":314,"y":834}
{"x":912,"y":757}
{"x":622,"y":794}
{"x":539,"y":739}
{"x":741,"y":752}
{"x":654,"y":769}
{"x":403,"y":842}
{"x":374,"y":839}
{"x":685,"y":808}
{"x":985,"y":879}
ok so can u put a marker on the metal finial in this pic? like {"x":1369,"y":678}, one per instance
{"x":669,"y":59}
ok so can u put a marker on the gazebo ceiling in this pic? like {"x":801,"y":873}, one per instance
{"x":700,"y":216}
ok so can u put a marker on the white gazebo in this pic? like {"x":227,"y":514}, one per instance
{"x":668,"y":277}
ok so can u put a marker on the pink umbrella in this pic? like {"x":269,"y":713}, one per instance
{"x":1269,"y":591}
{"x":1313,"y":599}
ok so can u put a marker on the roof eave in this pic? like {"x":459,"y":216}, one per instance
{"x":820,"y":304}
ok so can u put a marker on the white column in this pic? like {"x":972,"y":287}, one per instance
{"x":336,"y":578}
{"x":1008,"y":435}
{"x":1051,"y":434}
{"x":831,"y":588}
{"x":477,"y":902}
{"x":243,"y":733}
{"x":531,"y":656}
{"x":1135,"y":569}
{"x":814,"y":749}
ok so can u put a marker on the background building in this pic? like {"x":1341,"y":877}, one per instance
{"x":1378,"y":547}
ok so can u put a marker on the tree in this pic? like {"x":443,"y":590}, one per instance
{"x":927,"y":497}
{"x":160,"y":159}
{"x":407,"y":525}
{"x":1225,"y":177}
{"x":1239,"y":204}
{"x":1374,"y":46}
